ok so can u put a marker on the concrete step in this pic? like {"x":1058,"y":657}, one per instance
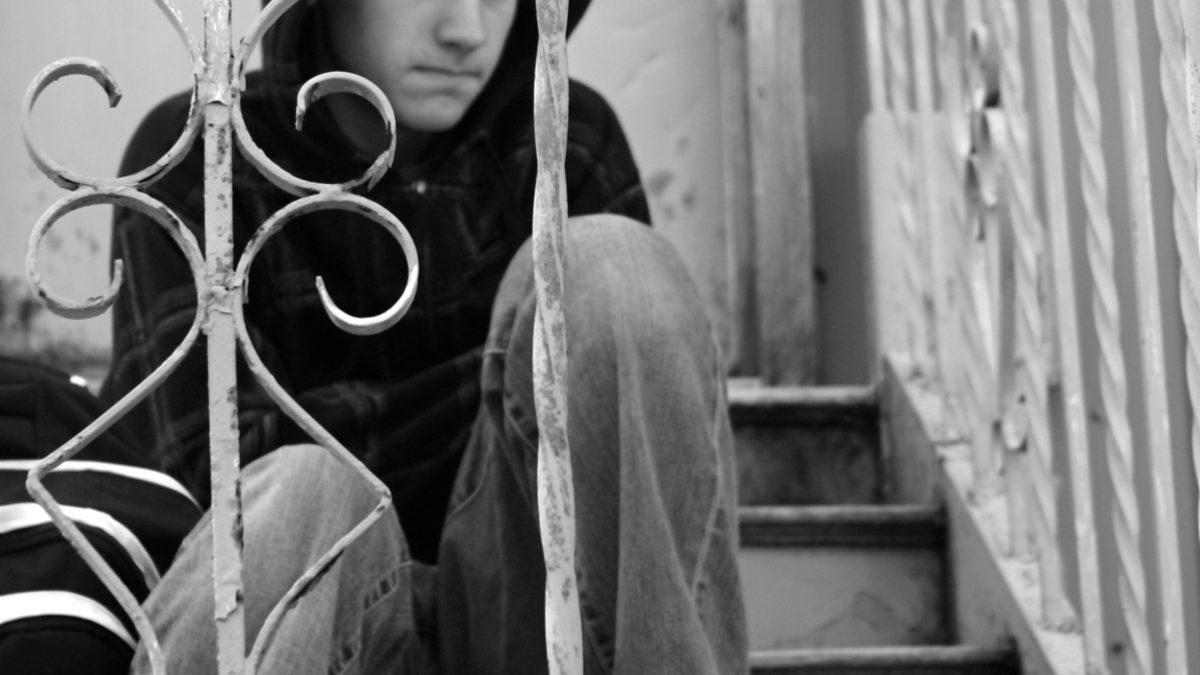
{"x":956,"y":660}
{"x":806,"y":445}
{"x":843,"y":576}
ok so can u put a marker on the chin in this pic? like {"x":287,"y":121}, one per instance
{"x":431,"y":116}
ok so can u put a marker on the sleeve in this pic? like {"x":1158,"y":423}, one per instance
{"x":602,"y":176}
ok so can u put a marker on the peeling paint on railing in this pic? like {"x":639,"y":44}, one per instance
{"x":555,"y":489}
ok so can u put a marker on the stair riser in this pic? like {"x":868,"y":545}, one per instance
{"x":821,"y":465}
{"x":841,"y":597}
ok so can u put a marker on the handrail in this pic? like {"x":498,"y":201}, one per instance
{"x":1006,"y":234}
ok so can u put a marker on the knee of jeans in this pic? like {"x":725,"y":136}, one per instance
{"x":299,"y":477}
{"x":622,"y":273}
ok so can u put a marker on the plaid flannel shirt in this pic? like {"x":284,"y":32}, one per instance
{"x":404,"y":400}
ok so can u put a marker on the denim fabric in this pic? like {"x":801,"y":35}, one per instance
{"x":652,"y":456}
{"x":298,"y":502}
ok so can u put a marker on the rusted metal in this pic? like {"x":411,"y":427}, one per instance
{"x":217,"y":307}
{"x":556,"y":494}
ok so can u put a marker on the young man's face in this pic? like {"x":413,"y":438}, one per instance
{"x":431,"y":57}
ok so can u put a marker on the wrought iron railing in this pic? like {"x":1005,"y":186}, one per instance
{"x":218,"y":73}
{"x":994,"y":228}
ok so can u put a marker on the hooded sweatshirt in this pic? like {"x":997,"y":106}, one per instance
{"x":404,"y":400}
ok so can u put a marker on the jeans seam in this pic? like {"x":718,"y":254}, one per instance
{"x":710,"y":524}
{"x":355,"y":643}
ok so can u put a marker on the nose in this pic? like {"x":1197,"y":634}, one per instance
{"x":461,"y":25}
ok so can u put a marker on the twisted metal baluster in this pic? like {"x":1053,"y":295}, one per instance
{"x":899,"y":87}
{"x":1190,"y":23}
{"x":1191,"y":28}
{"x":980,"y":183}
{"x":1030,"y":235}
{"x":556,"y":497}
{"x":1106,"y":312}
{"x":1150,"y":333}
{"x":91,"y":191}
{"x":1091,"y":608}
{"x":952,"y":148}
{"x":1181,"y":159}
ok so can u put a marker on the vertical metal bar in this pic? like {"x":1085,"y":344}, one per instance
{"x":215,"y":95}
{"x":934,"y":305}
{"x":1031,"y":381}
{"x":972,"y":370}
{"x":1181,"y":161}
{"x":740,"y":243}
{"x":1106,"y":312}
{"x":875,"y":67}
{"x":899,"y":98}
{"x":1070,"y":360}
{"x":1150,"y":326}
{"x":556,"y":495}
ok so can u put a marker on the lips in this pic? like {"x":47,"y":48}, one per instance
{"x":445,"y":72}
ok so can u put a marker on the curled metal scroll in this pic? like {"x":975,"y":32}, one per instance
{"x":313,"y":90}
{"x":123,"y":191}
{"x":183,"y":237}
{"x":315,"y":197}
{"x":367,"y":326}
{"x":71,"y":180}
{"x":345,"y":202}
{"x":90,"y":191}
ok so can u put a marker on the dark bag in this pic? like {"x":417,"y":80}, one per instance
{"x":56,"y":616}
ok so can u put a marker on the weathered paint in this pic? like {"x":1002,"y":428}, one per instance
{"x":555,"y":490}
{"x":184,"y":239}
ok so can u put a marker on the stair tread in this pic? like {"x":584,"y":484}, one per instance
{"x":848,"y":525}
{"x":936,"y":658}
{"x":789,"y":405}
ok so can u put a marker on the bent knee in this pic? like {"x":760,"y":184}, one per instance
{"x":622,"y":273}
{"x":306,"y":479}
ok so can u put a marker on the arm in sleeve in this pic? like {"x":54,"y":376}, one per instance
{"x":602,"y":176}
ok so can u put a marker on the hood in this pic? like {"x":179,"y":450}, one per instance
{"x":291,"y":51}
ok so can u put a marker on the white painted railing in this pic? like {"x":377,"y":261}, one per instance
{"x":218,"y":73}
{"x":1053,"y":288}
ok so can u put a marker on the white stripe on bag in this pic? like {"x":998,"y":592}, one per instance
{"x":137,"y":473}
{"x":20,"y":516}
{"x":17,"y":606}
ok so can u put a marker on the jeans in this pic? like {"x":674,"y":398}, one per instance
{"x":653,"y":464}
